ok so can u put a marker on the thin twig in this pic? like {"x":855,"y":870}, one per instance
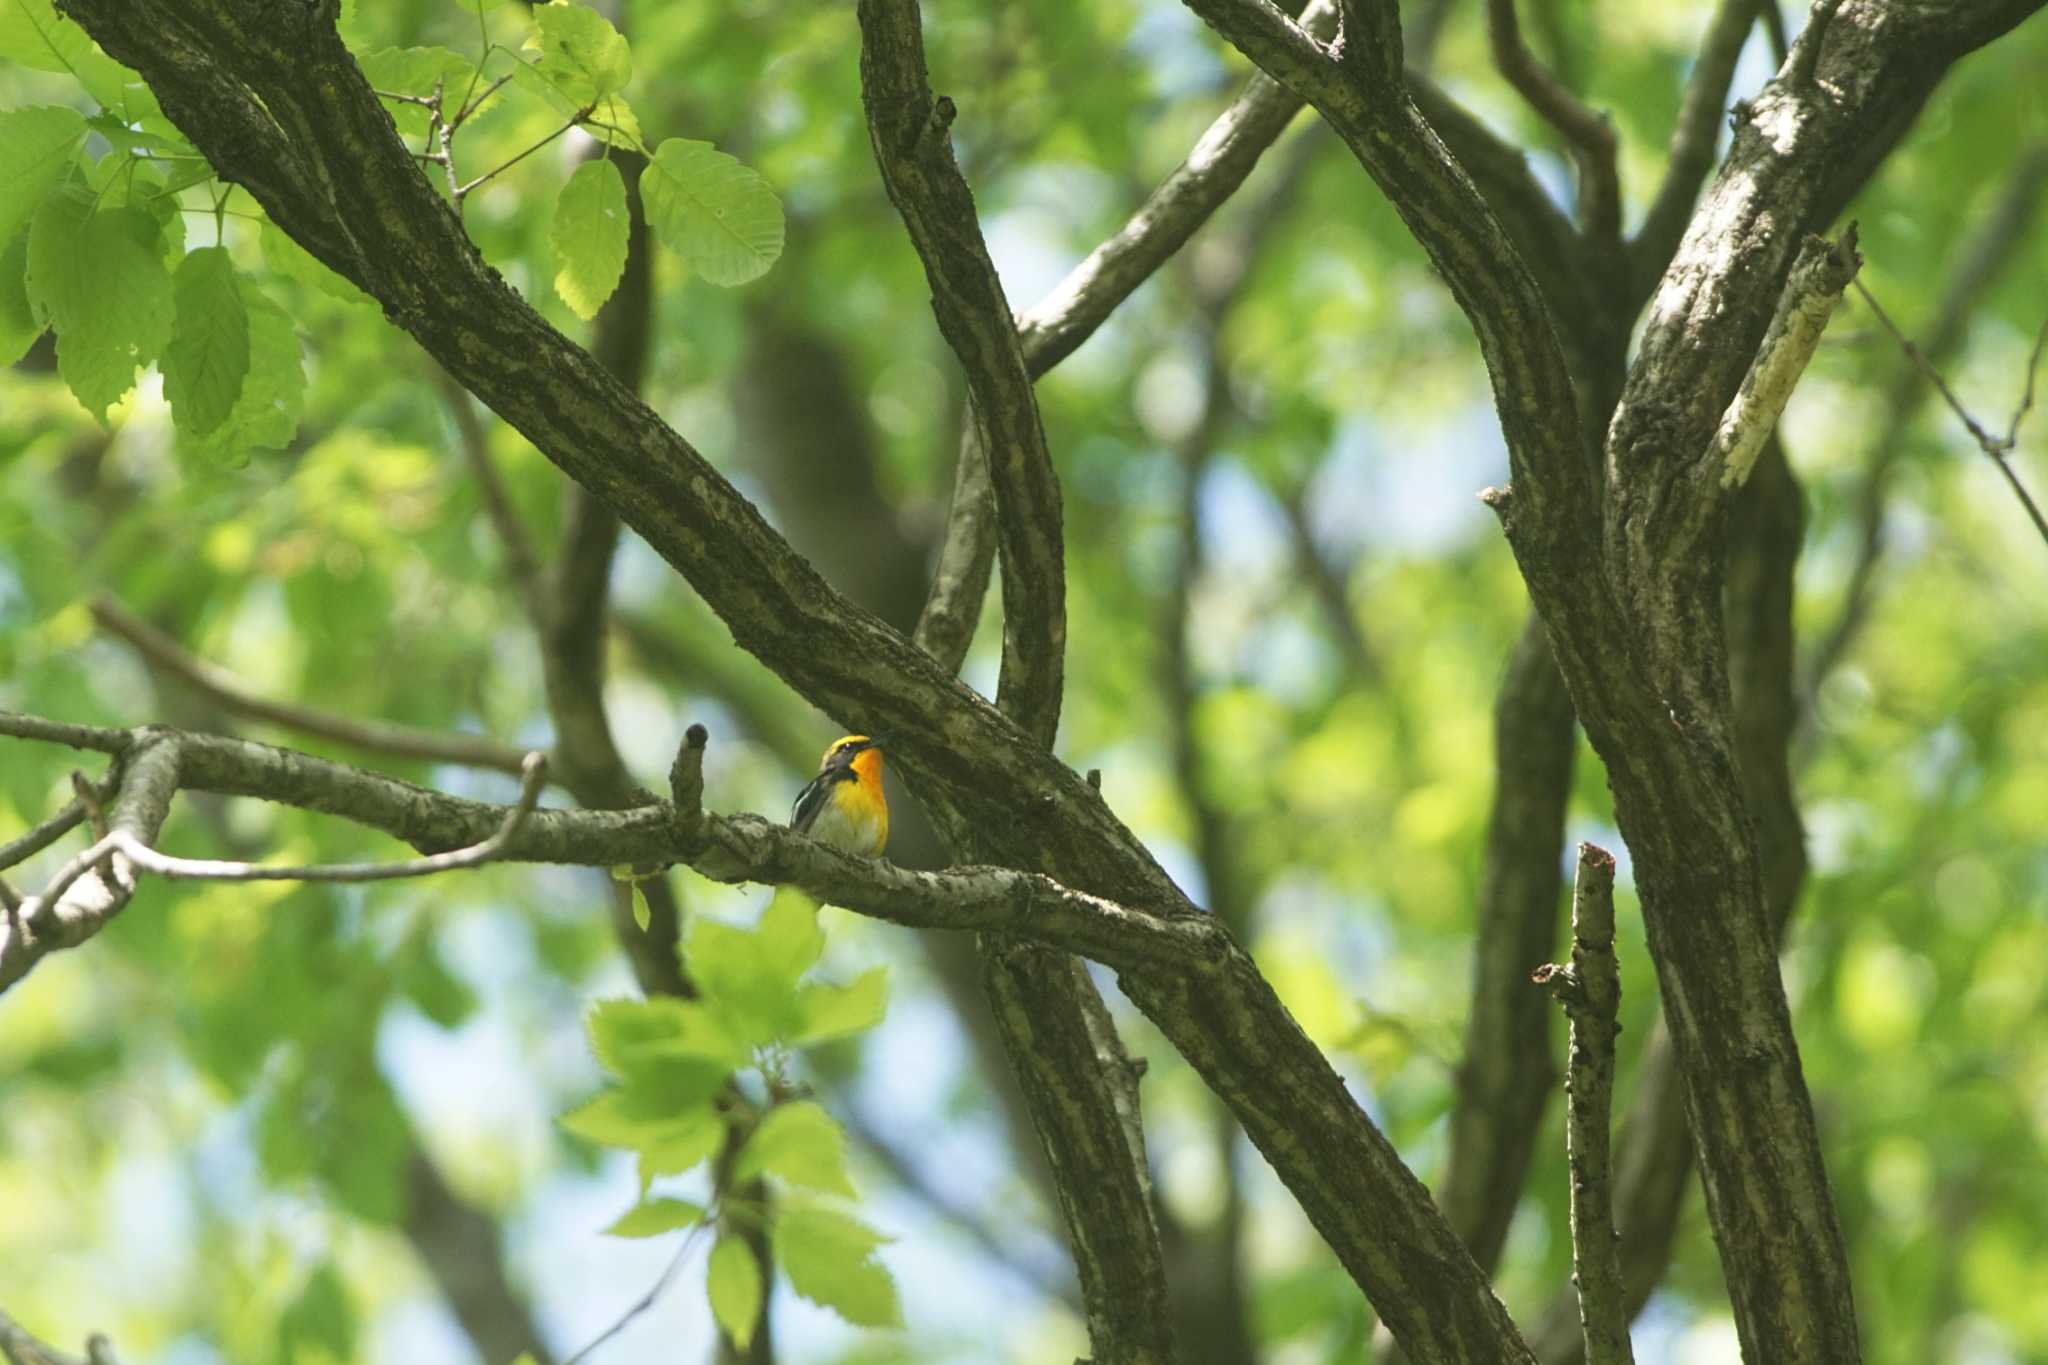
{"x":462,"y":191}
{"x":1996,"y":447}
{"x":463,"y":114}
{"x":654,"y":1292}
{"x":217,"y":870}
{"x":222,"y":687}
{"x":95,"y":737}
{"x":42,"y":836}
{"x":1590,"y":991}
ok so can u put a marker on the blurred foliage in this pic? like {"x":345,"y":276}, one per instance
{"x":210,"y":1110}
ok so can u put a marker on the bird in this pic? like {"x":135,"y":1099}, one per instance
{"x":843,"y":805}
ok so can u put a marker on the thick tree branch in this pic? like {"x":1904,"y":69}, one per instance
{"x":914,"y":150}
{"x":1590,"y":991}
{"x":1693,"y":140}
{"x":1656,"y":706}
{"x":1184,"y":970}
{"x":273,"y":98}
{"x":1054,"y":327}
{"x":1088,"y":1120}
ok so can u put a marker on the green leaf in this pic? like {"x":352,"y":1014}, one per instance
{"x":294,"y":262}
{"x":125,"y":138}
{"x":37,"y":145}
{"x":827,"y":1011}
{"x":581,"y":52}
{"x":19,"y":326}
{"x":652,"y":1217}
{"x":589,"y":240}
{"x":715,"y":213}
{"x":208,"y":356}
{"x":321,"y":1318}
{"x":609,"y":1121}
{"x":791,"y":940}
{"x":35,"y":35}
{"x":106,"y":293}
{"x":733,"y":1284}
{"x":801,"y":1143}
{"x":682,"y":1142}
{"x":643,"y":913}
{"x":414,"y":71}
{"x":830,"y":1260}
{"x":266,"y":416}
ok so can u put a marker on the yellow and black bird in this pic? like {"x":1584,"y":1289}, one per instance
{"x":843,"y":806}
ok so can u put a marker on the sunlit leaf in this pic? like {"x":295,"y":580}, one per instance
{"x":830,"y":1260}
{"x":715,"y":213}
{"x":801,"y":1143}
{"x":589,"y":240}
{"x":652,"y":1217}
{"x":732,"y":1281}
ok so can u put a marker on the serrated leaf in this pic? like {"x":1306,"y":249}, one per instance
{"x":618,"y":1027}
{"x":107,"y":294}
{"x":581,"y":51}
{"x":266,"y":415}
{"x":733,"y":1284}
{"x":120,"y":182}
{"x":37,"y":146}
{"x":826,"y":1011}
{"x":685,"y":1140}
{"x":830,"y":1260}
{"x":589,"y":240}
{"x":652,"y":1217}
{"x":791,"y":941}
{"x":19,"y":326}
{"x":294,"y":262}
{"x":801,"y":1143}
{"x":715,"y":213}
{"x":208,"y":355}
{"x":35,"y":35}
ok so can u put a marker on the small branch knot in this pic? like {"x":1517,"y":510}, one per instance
{"x":686,"y":781}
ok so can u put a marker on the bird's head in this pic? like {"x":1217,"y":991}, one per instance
{"x":858,"y":752}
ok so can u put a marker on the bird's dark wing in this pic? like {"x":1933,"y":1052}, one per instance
{"x":812,"y":798}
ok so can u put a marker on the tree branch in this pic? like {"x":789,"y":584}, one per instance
{"x":908,"y":128}
{"x":227,"y":691}
{"x":1812,"y":289}
{"x":20,"y":1348}
{"x":1693,"y":140}
{"x":1183,"y":969}
{"x":1590,"y":991}
{"x":1086,"y":1111}
{"x":1591,"y":135}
